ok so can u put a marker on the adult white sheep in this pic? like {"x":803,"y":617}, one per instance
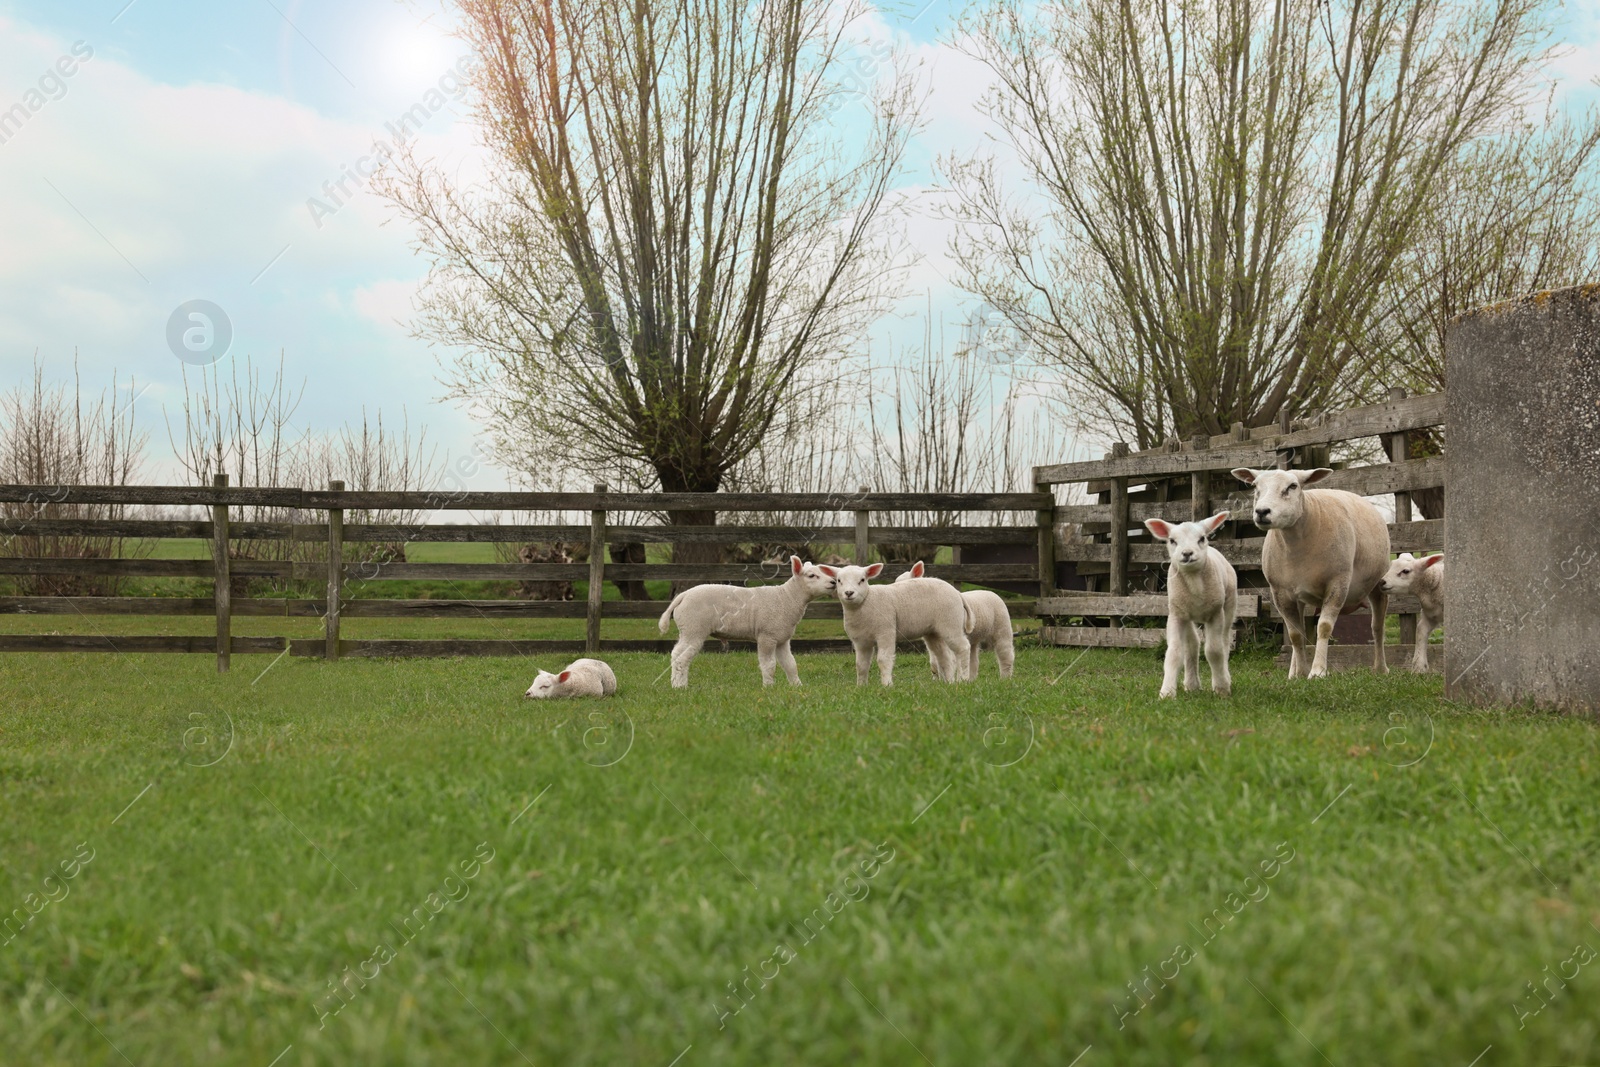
{"x":877,"y":616}
{"x":1425,"y":578}
{"x":580,"y":678}
{"x":1202,"y":590}
{"x":991,"y":626}
{"x":766,"y":615}
{"x":1326,"y":551}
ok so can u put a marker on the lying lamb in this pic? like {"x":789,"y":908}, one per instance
{"x":766,"y":614}
{"x":991,"y":627}
{"x":1202,"y":590}
{"x":1425,"y":578}
{"x":581,"y":678}
{"x":1326,"y":551}
{"x":876,"y":616}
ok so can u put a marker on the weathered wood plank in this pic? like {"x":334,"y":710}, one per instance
{"x":1421,"y":535}
{"x":222,"y":584}
{"x":1102,"y":636}
{"x":1155,"y":464}
{"x":716,"y":572}
{"x":1146,"y":605}
{"x":206,"y":643}
{"x":132,"y":528}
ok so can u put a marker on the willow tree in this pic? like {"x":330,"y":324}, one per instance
{"x":681,"y":227}
{"x":1220,"y":189}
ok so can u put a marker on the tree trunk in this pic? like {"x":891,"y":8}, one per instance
{"x":695,"y":552}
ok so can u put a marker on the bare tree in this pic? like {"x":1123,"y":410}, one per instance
{"x":1227,"y":187}
{"x":675,"y":231}
{"x":54,"y":437}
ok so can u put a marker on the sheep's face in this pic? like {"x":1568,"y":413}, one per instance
{"x":1279,"y":495}
{"x":544,"y":686}
{"x":1404,"y":571}
{"x":1187,"y":541}
{"x":816,"y":583}
{"x":852,"y":587}
{"x":916,"y":571}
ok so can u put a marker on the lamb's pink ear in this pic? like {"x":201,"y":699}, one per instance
{"x":563,"y":676}
{"x":917,"y":569}
{"x":831,"y":572}
{"x":1159,"y":527}
{"x":874,"y":570}
{"x":1312,"y":476}
{"x":1244,"y":474}
{"x":795,"y":564}
{"x":1214,"y":523}
{"x":1427,"y":561}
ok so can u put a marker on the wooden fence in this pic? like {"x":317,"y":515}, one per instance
{"x":1116,"y":567}
{"x":34,"y":509}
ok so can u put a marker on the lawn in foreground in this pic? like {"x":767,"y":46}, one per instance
{"x":1057,"y":864}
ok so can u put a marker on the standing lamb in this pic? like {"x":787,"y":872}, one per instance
{"x":580,"y":678}
{"x":991,"y":627}
{"x":766,"y":614}
{"x":1202,"y":590}
{"x":877,"y":616}
{"x":1326,"y":551}
{"x":1425,"y":578}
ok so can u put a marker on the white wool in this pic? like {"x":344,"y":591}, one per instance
{"x":580,"y":678}
{"x":1326,"y":551}
{"x":877,"y":616}
{"x":1202,"y":590}
{"x":991,"y":627}
{"x":766,"y":615}
{"x":1425,"y":579}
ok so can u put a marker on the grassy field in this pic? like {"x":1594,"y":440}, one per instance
{"x":1054,"y":870}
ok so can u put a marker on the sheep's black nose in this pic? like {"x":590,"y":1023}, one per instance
{"x":1262,"y":513}
{"x":1187,"y":555}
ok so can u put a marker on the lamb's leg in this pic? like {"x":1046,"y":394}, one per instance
{"x":1219,"y":634}
{"x":767,"y":657}
{"x":1332,"y":604}
{"x":1005,"y":652}
{"x":683,"y":654}
{"x":1174,"y":659}
{"x":786,"y":661}
{"x":972,"y":662}
{"x":863,"y":660}
{"x":1379,"y":599}
{"x":886,"y":658}
{"x":1419,"y":658}
{"x":1191,"y":657}
{"x":960,"y":650}
{"x":1294,"y":625}
{"x":933,"y":656}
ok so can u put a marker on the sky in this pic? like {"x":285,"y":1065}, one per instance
{"x":172,"y":151}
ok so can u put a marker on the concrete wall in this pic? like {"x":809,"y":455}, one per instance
{"x":1522,"y":549}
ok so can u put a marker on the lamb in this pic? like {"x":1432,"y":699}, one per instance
{"x":580,"y":678}
{"x":1425,"y":578}
{"x":991,"y":627}
{"x":1326,"y":551}
{"x":1202,"y":590}
{"x":876,"y":616}
{"x":766,"y":614}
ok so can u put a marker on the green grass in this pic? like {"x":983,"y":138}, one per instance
{"x":1018,"y":904}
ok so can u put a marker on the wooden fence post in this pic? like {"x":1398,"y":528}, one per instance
{"x":1399,"y":453}
{"x":1046,"y":518}
{"x":1285,"y":455}
{"x":330,"y":621}
{"x":597,"y":573}
{"x":1119,"y":527}
{"x":1200,"y":483}
{"x":863,"y":521}
{"x":223,"y":575}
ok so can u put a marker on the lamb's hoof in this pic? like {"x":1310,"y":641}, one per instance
{"x":1167,"y":694}
{"x":1222,"y":691}
{"x":1318,"y":672}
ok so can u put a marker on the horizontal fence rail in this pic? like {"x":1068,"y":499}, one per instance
{"x":316,"y":531}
